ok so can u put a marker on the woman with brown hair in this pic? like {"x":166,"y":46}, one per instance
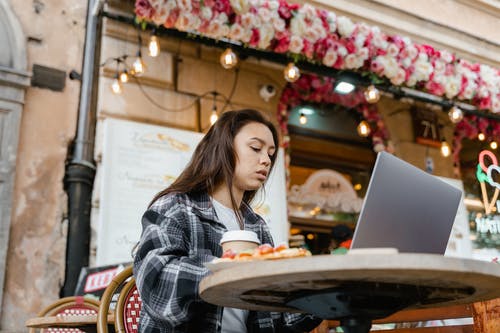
{"x":184,"y":223}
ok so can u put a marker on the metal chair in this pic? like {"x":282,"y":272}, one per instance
{"x":68,"y":306}
{"x":128,"y":304}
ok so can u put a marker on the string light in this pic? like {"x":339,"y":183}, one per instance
{"x":455,"y":114}
{"x":493,"y":145}
{"x":124,"y":76}
{"x":363,"y":128}
{"x":154,"y":46}
{"x":291,"y":72}
{"x":214,"y":117}
{"x":481,"y":137}
{"x":138,"y":67}
{"x":372,"y":95}
{"x":228,"y":59}
{"x":116,"y":86}
{"x":445,"y":148}
{"x":302,"y":119}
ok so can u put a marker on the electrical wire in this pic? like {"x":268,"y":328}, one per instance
{"x":181,"y":109}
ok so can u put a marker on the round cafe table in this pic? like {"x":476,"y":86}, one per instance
{"x":352,"y":288}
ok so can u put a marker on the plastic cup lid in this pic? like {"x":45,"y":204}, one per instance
{"x":240,"y":235}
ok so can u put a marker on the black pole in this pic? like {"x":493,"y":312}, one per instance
{"x":80,"y":166}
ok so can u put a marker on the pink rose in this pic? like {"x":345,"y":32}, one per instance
{"x":144,"y":9}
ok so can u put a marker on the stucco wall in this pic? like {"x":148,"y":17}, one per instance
{"x":54,"y":33}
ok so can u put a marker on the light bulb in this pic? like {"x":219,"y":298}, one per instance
{"x":445,"y":148}
{"x":116,"y":86}
{"x":228,"y":59}
{"x":124,"y":76}
{"x":343,"y":87}
{"x":138,"y":66}
{"x":455,"y":114}
{"x":302,"y":119}
{"x":493,"y":145}
{"x":154,"y":46}
{"x":372,"y":95}
{"x":213,"y":117}
{"x":481,"y":137}
{"x":291,"y":72}
{"x":363,"y":128}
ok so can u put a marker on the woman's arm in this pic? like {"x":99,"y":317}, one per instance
{"x":167,"y":271}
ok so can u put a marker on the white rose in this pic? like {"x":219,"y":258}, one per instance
{"x":273,"y":5}
{"x":392,"y":50}
{"x":452,"y":87}
{"x":206,"y":13}
{"x":351,"y":61}
{"x":248,"y":21}
{"x":296,"y":44}
{"x":236,"y":32}
{"x":185,"y":5}
{"x":495,"y":104}
{"x":240,"y":6}
{"x":360,"y":39}
{"x":264,"y":14}
{"x":399,"y":78}
{"x":278,"y":24}
{"x":330,"y":58}
{"x":412,"y":80}
{"x":345,"y":26}
{"x":298,"y":25}
{"x":332,"y":21}
{"x":266,"y":33}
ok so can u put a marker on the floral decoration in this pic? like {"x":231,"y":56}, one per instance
{"x":317,"y":89}
{"x":322,"y":37}
{"x":469,"y":128}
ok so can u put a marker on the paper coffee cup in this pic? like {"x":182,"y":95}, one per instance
{"x":239,"y":240}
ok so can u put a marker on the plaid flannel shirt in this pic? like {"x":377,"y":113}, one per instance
{"x":180,"y":233}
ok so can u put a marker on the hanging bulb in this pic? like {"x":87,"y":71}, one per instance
{"x":138,"y":67}
{"x":372,"y":95}
{"x":154,"y":46}
{"x":291,"y":72}
{"x":213,"y":117}
{"x":363,"y":128}
{"x":445,"y":148}
{"x":493,"y":145}
{"x":481,"y":137}
{"x":116,"y":86}
{"x":455,"y":114}
{"x":302,"y":119}
{"x":228,"y":59}
{"x":124,"y":76}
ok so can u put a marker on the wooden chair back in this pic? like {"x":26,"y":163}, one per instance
{"x":68,"y":306}
{"x":128,"y":309}
{"x":122,"y":282}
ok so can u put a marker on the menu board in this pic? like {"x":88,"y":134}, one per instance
{"x":138,"y":161}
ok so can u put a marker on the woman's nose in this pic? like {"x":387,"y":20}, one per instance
{"x":266,"y":160}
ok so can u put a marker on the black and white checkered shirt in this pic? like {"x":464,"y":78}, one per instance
{"x":180,"y":232}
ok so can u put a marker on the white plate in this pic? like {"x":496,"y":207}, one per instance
{"x":217,"y":266}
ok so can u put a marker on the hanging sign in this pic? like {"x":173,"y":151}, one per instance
{"x":426,"y":127}
{"x":488,"y":172}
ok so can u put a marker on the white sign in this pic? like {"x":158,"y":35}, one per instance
{"x":138,"y":161}
{"x":459,"y":244}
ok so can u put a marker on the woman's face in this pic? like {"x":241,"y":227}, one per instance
{"x":254,"y":146}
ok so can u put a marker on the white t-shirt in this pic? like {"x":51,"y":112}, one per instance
{"x":233,"y":320}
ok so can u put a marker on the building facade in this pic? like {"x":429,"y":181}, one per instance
{"x":39,"y":111}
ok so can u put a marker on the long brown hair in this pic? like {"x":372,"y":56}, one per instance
{"x":214,"y":159}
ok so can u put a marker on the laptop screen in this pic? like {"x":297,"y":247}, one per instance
{"x":406,"y":208}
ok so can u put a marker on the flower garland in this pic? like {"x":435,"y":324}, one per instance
{"x":318,"y":89}
{"x":469,"y":128}
{"x":320,"y":36}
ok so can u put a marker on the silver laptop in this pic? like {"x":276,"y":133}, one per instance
{"x":406,"y":208}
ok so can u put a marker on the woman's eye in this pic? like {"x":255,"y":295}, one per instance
{"x":255,"y":148}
